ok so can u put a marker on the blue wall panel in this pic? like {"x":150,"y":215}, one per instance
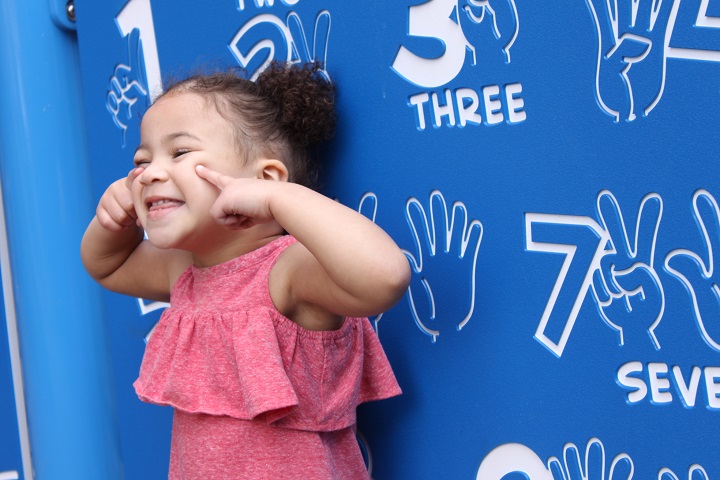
{"x":550,"y":169}
{"x":10,"y":446}
{"x":47,"y":200}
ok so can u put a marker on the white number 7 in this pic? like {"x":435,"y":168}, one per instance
{"x":581,"y":240}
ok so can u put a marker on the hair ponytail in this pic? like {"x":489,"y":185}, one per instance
{"x":304,"y":98}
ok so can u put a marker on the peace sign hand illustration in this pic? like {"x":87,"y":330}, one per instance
{"x":447,"y":245}
{"x":626,"y":286}
{"x":632,"y":39}
{"x":698,"y":272}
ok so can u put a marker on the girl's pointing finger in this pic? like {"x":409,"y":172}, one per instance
{"x":132,"y":175}
{"x":216,"y":178}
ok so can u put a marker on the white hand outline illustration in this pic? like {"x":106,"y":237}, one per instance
{"x":443,"y":20}
{"x":515,"y":457}
{"x":631,"y":37}
{"x":127,"y":85}
{"x":504,"y":16}
{"x":667,"y":474}
{"x":291,"y":46}
{"x":698,"y":273}
{"x":593,"y":466}
{"x":368,"y":208}
{"x":440,"y":229}
{"x":626,"y":286}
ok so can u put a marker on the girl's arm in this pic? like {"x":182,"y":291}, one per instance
{"x":347,"y":264}
{"x":116,"y":256}
{"x":343,"y":263}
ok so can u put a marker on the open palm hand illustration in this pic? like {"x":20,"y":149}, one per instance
{"x":695,"y":472}
{"x":442,"y":289}
{"x":593,"y":466}
{"x":517,"y":458}
{"x":631,"y":56}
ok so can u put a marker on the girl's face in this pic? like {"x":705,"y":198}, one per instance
{"x":172,"y":202}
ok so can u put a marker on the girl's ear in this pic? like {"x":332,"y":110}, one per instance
{"x":271,"y":169}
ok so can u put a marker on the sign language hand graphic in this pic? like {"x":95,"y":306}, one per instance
{"x":127,"y":86}
{"x":698,"y":273}
{"x":265,"y":38}
{"x":626,"y":286}
{"x":368,"y":208}
{"x":695,"y":472}
{"x":572,"y":467}
{"x":442,"y":288}
{"x":501,"y":15}
{"x":631,"y":55}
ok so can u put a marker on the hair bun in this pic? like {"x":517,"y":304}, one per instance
{"x":304,"y":98}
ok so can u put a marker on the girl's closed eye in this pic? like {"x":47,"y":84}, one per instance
{"x":140,"y":162}
{"x":180,"y":152}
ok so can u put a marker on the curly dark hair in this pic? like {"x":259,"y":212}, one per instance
{"x":286,"y":111}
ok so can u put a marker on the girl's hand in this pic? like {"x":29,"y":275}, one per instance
{"x":116,"y":211}
{"x":242,"y":203}
{"x":343,"y":265}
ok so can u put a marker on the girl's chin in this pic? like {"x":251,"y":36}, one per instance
{"x":161,"y":241}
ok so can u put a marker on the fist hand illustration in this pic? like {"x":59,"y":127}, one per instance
{"x":126,"y":85}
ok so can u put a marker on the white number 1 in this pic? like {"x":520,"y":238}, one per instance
{"x":138,"y":14}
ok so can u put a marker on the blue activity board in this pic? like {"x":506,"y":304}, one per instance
{"x":549,"y":168}
{"x":10,"y":424}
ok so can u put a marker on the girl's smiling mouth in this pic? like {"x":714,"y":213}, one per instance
{"x":160,"y":205}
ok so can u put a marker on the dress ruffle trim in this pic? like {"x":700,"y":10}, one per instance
{"x":260,"y":365}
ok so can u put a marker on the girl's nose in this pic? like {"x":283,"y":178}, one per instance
{"x":153,"y":173}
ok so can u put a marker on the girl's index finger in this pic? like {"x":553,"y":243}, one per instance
{"x":132,"y":175}
{"x":216,"y":178}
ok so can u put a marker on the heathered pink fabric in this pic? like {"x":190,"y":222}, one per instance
{"x":256,"y":396}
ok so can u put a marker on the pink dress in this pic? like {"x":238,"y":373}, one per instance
{"x":255,"y":395}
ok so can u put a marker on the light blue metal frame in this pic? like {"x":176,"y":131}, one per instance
{"x":45,"y":180}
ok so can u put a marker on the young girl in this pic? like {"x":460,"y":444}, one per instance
{"x":264,"y":353}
